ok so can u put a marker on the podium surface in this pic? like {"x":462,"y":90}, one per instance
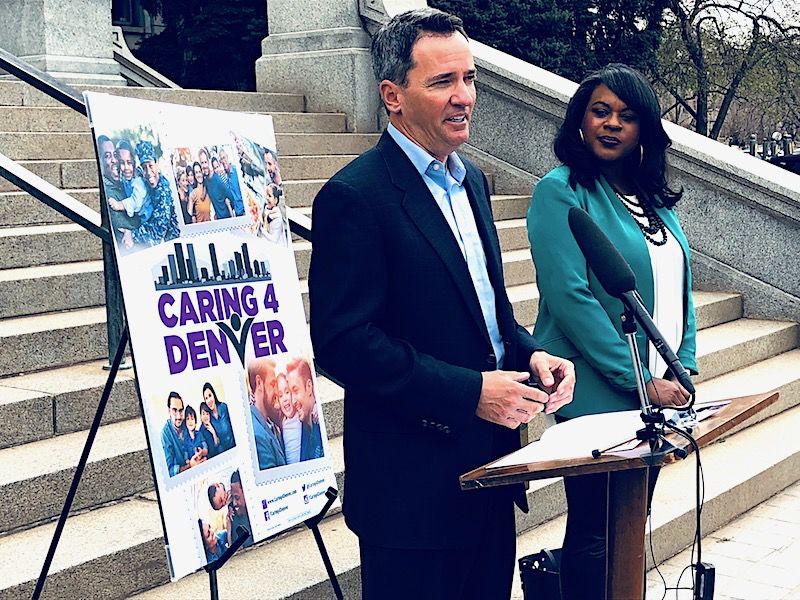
{"x":628,"y":472}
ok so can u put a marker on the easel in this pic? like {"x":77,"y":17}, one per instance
{"x":241,"y":533}
{"x":312,"y":524}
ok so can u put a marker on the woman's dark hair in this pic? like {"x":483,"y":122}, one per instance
{"x":649,"y":176}
{"x":208,"y":386}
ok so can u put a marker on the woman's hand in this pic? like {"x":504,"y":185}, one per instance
{"x":665,"y":393}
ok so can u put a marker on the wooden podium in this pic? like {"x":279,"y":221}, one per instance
{"x":628,"y":472}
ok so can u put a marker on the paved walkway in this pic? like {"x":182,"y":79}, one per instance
{"x":756,"y":557}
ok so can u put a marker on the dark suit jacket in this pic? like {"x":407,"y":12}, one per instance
{"x":395,"y":318}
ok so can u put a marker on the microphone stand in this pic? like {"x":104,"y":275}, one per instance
{"x":649,"y":433}
{"x":653,"y":430}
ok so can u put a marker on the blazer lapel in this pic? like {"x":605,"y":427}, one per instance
{"x":428,"y":218}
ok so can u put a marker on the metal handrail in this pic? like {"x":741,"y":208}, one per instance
{"x":58,"y":90}
{"x":57,"y":199}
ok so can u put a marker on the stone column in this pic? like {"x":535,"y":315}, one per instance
{"x":69,"y":40}
{"x":321,"y":49}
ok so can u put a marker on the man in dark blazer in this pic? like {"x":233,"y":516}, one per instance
{"x":409,"y":312}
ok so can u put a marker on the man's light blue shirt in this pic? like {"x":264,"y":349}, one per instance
{"x":446,"y":184}
{"x":174,"y":447}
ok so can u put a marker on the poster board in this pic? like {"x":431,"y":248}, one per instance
{"x":213,"y":302}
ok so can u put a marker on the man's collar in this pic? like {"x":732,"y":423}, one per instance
{"x":422,"y":159}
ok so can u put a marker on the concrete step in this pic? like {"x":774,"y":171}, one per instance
{"x":47,"y":244}
{"x":59,"y":400}
{"x":50,"y":288}
{"x":106,"y":553}
{"x":22,"y":146}
{"x":14,"y":93}
{"x":53,"y":339}
{"x":509,"y":207}
{"x":42,"y":471}
{"x":52,"y":119}
{"x":730,"y":346}
{"x":84,"y":328}
{"x":729,"y":493}
{"x":513,"y":234}
{"x":19,"y":208}
{"x":82,"y":173}
{"x":518,"y":267}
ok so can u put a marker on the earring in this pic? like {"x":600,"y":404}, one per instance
{"x":641,"y":154}
{"x":580,"y":135}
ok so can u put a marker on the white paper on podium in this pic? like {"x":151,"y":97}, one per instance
{"x":577,"y":437}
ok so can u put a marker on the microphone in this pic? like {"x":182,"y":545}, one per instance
{"x":618,"y":280}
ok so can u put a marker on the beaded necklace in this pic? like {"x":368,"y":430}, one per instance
{"x":654,"y":231}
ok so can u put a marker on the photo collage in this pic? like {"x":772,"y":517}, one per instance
{"x":218,"y":332}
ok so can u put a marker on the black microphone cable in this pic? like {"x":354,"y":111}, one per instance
{"x":697,"y":540}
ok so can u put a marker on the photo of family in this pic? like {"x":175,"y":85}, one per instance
{"x":208,"y":183}
{"x":221,"y":511}
{"x":284,"y":412}
{"x":189,"y":441}
{"x":140,"y":200}
{"x":266,"y":203}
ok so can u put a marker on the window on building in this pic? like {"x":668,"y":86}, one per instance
{"x":127,"y":13}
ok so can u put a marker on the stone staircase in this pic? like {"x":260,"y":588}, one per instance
{"x":53,"y":340}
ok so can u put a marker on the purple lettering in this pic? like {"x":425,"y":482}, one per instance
{"x":218,"y":347}
{"x":177,"y":358}
{"x":270,"y":300}
{"x":259,"y":337}
{"x":230,"y":302}
{"x":197,"y":349}
{"x":165,"y":300}
{"x":276,"y":337}
{"x":205,"y":306}
{"x":249,"y":302}
{"x":188,"y":314}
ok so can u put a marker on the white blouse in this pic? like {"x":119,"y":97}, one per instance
{"x":669,"y":276}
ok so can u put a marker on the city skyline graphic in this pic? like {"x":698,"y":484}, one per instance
{"x":182,"y":268}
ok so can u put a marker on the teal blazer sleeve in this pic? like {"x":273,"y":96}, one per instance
{"x":571,"y":318}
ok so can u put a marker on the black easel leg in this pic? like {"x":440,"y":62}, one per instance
{"x":76,"y":479}
{"x":327,"y":561}
{"x":212,"y":584}
{"x":313,"y":525}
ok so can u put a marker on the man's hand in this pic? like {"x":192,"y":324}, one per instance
{"x":115,"y":205}
{"x":506,"y":401}
{"x":666,"y":393}
{"x":556,"y":375}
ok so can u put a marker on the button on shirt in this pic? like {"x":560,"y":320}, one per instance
{"x":446,"y":184}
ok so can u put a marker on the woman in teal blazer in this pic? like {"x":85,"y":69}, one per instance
{"x":613,"y":149}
